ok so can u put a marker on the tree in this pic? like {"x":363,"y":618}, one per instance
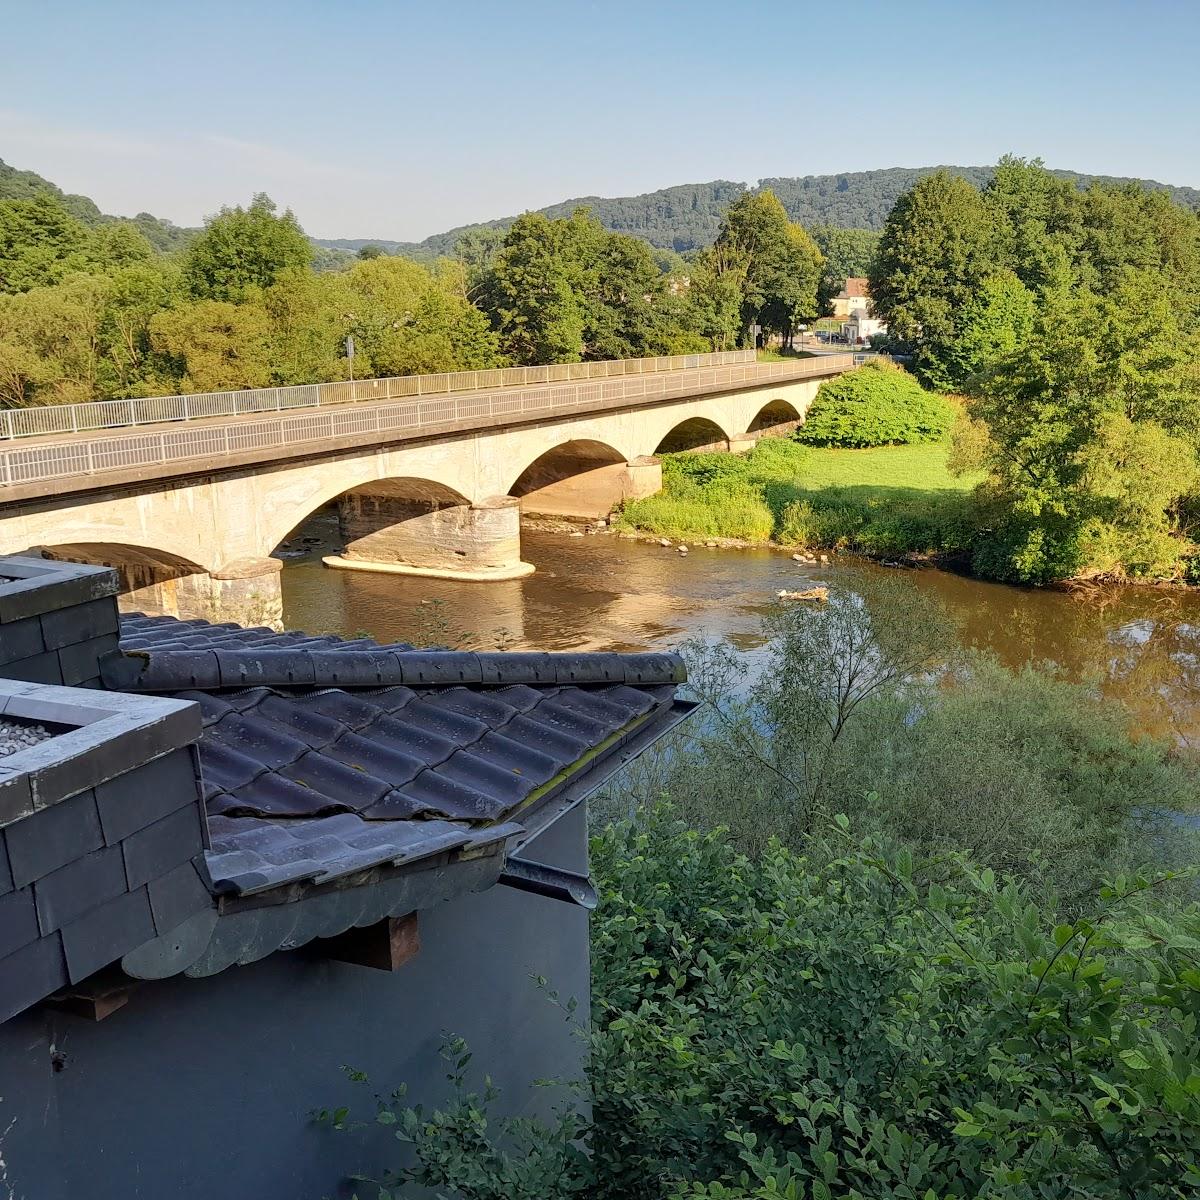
{"x":135,"y":293}
{"x":40,"y":242}
{"x":714,"y":297}
{"x":117,"y":244}
{"x":938,"y":247}
{"x":532,"y":293}
{"x":993,"y":323}
{"x":306,"y":333}
{"x":1038,"y":222}
{"x":214,"y":345}
{"x":781,"y":262}
{"x":475,"y":251}
{"x":407,"y":319}
{"x":1093,"y":429}
{"x":622,"y":292}
{"x":242,"y":249}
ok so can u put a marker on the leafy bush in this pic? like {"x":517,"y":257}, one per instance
{"x":851,"y":1022}
{"x":863,"y":706}
{"x":877,"y":405}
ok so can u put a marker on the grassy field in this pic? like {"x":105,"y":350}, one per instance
{"x":891,"y":501}
{"x":922,"y":468}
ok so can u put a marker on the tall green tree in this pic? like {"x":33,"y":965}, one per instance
{"x":781,"y":263}
{"x":1039,"y":224}
{"x":242,"y":249}
{"x":214,"y":345}
{"x":939,"y":245}
{"x":533,"y":293}
{"x":994,"y":323}
{"x":1093,"y":427}
{"x":40,"y":242}
{"x":408,"y":319}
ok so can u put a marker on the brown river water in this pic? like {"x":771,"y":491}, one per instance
{"x":1140,"y":646}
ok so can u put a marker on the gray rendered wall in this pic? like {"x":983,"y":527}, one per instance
{"x":203,"y":1088}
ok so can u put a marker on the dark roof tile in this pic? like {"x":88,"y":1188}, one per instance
{"x":332,"y":781}
{"x":323,"y":758}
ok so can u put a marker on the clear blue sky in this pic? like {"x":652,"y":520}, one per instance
{"x":373,"y":118}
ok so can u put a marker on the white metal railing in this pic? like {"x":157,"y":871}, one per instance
{"x":51,"y":419}
{"x":414,"y":417}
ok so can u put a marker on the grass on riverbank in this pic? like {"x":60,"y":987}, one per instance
{"x":888,"y":501}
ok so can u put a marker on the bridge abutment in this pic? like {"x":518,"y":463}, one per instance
{"x":407,"y":535}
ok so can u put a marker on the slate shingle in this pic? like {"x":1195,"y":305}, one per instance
{"x":384,"y":747}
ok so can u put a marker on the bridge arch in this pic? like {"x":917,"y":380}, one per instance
{"x":776,"y":416}
{"x":152,"y":579}
{"x":695,"y":433}
{"x":579,"y":478}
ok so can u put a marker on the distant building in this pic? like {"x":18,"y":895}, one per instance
{"x":859,"y":330}
{"x":853,"y":298}
{"x":852,"y":311}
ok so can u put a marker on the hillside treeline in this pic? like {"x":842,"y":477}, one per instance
{"x":95,"y":311}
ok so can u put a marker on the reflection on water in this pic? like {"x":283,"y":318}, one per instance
{"x":1141,"y":646}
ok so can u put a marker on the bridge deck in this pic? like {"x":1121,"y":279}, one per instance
{"x":35,"y":468}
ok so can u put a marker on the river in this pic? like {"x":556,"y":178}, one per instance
{"x":1140,"y":646}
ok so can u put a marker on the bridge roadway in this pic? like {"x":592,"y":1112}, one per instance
{"x":190,"y":510}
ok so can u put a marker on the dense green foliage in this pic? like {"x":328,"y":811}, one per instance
{"x":25,"y":185}
{"x":243,"y":250}
{"x":94,"y":313}
{"x":778,"y":264}
{"x":899,"y":948}
{"x":864,"y":705}
{"x":937,"y":249}
{"x":850,"y":1022}
{"x":567,"y":290}
{"x":1071,"y":319}
{"x":876,"y":405}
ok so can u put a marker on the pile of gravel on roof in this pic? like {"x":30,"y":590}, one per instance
{"x":21,"y":735}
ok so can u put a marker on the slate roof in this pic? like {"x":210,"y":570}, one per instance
{"x":323,"y":758}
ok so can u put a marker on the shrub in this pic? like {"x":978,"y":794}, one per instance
{"x":876,"y":405}
{"x":864,"y":706}
{"x":851,"y":1022}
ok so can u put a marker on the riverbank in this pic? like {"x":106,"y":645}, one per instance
{"x":885,"y":503}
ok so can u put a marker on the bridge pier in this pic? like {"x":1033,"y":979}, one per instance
{"x":429,"y":536}
{"x":246,"y":591}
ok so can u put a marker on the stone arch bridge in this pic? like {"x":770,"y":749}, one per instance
{"x":191,"y":512}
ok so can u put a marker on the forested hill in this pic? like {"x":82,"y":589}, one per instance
{"x":681,"y":218}
{"x":23,"y":185}
{"x":686,"y":217}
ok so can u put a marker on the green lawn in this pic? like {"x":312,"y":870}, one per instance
{"x":909,"y":467}
{"x":890,"y":501}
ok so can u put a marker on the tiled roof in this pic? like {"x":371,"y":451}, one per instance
{"x":416,"y":753}
{"x":857,"y":288}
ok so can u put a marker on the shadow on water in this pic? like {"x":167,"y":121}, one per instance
{"x":1137,"y":645}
